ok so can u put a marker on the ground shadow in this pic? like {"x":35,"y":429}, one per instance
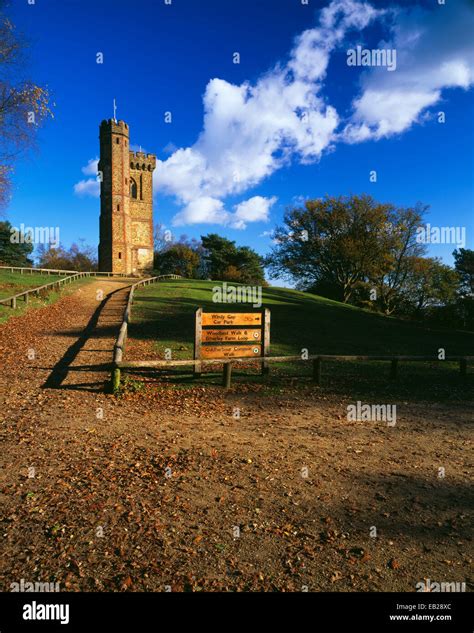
{"x":63,"y":367}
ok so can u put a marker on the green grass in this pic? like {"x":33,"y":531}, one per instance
{"x":164,"y":313}
{"x":14,"y":283}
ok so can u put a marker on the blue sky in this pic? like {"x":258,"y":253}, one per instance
{"x":237,"y":152}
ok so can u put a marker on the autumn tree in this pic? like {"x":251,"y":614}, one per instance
{"x":464,"y":265}
{"x":428,"y":284}
{"x":78,"y":257}
{"x":178,"y":259}
{"x":340,"y":243}
{"x":23,"y":104}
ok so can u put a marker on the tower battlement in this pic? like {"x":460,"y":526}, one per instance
{"x":142,"y":161}
{"x":111,"y":126}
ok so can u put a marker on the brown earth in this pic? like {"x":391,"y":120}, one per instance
{"x":146,"y":491}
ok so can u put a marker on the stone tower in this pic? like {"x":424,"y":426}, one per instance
{"x":126,"y":202}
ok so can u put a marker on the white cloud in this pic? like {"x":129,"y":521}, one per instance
{"x":208,"y":210}
{"x":254,"y":209}
{"x":90,"y":187}
{"x":435,"y":51}
{"x":205,"y":210}
{"x":91,"y":168}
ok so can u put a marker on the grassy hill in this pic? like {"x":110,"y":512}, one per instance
{"x":165,"y":312}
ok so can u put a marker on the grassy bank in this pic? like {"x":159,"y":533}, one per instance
{"x":14,"y":283}
{"x":163,"y":315}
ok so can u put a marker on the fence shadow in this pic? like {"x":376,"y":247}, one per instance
{"x":102,"y":341}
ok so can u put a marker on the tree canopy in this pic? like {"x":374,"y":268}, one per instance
{"x":16,"y":252}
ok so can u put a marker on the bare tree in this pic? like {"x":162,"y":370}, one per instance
{"x":23,"y":104}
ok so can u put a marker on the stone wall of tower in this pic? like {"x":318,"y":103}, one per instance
{"x":126,"y":202}
{"x":142,"y":167}
{"x":115,"y":250}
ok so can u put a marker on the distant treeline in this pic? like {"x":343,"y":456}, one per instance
{"x":359,"y":251}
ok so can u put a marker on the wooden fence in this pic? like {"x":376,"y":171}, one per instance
{"x":52,"y":271}
{"x":119,"y":347}
{"x":72,"y":276}
{"x":317,"y":361}
{"x":25,"y":295}
{"x":43,"y":271}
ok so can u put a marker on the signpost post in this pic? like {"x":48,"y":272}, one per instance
{"x":228,"y":335}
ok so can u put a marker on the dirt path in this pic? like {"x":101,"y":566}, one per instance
{"x":62,"y":346}
{"x":201,"y":489}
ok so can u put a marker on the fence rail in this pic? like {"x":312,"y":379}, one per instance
{"x":25,"y":295}
{"x":72,"y":276}
{"x":122,"y":335}
{"x":317,"y":361}
{"x":54,"y":271}
{"x":48,"y":271}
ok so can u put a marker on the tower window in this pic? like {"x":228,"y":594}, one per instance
{"x":120,"y":255}
{"x":118,"y":141}
{"x":133,"y":189}
{"x":118,"y":207}
{"x":126,"y":181}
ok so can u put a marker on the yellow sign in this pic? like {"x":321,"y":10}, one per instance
{"x":231,"y":336}
{"x":232,"y":318}
{"x":231,"y":351}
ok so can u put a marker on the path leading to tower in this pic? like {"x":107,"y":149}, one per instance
{"x":62,"y":346}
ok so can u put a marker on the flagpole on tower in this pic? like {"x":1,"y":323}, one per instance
{"x":115,"y":112}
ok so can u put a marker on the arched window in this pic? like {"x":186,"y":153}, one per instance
{"x":133,"y":189}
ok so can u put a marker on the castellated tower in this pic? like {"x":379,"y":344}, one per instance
{"x":126,"y":202}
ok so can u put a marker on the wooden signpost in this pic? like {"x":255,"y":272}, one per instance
{"x":228,"y":335}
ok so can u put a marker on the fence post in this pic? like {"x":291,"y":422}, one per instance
{"x":116,"y":379}
{"x":227,"y":376}
{"x":317,"y":371}
{"x":13,"y":303}
{"x":266,"y":340}
{"x":197,"y":343}
{"x":393,"y":368}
